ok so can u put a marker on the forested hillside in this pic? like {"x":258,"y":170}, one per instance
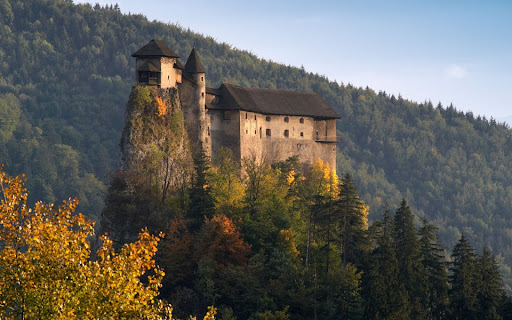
{"x":65,"y":78}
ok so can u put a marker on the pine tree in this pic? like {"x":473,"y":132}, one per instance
{"x":463,"y":280}
{"x":407,"y":248}
{"x":386,"y":297}
{"x":490,"y":287}
{"x":201,"y":201}
{"x":432,"y":256}
{"x":352,"y":223}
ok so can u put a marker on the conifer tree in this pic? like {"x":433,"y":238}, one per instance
{"x":386,"y":297}
{"x":201,"y":201}
{"x":352,"y":223}
{"x":412,"y":273}
{"x":432,"y":256}
{"x":490,"y":288}
{"x":463,"y":280}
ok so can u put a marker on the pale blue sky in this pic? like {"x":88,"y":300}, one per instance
{"x":448,"y":51}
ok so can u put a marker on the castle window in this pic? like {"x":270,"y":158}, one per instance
{"x":267,"y":132}
{"x":286,"y":133}
{"x":254,"y":117}
{"x":301,"y":120}
{"x":267,"y":119}
{"x":246,"y":131}
{"x":202,"y":94}
{"x":302,"y":134}
{"x":246,"y":115}
{"x":202,"y":78}
{"x":208,"y":130}
{"x":254,"y":131}
{"x":260,"y":133}
{"x":286,"y":119}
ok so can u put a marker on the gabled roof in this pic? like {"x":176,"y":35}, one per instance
{"x":148,"y":66}
{"x":155,"y":48}
{"x":193,"y":64}
{"x":278,"y":102}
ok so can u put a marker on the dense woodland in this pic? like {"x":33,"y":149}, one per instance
{"x":65,"y":79}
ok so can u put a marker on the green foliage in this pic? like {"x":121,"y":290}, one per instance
{"x":71,"y":72}
{"x":9,"y":116}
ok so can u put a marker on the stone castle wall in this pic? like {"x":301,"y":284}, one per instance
{"x":273,"y":138}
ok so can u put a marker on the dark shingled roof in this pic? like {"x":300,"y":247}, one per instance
{"x":148,"y":66}
{"x":193,"y":64}
{"x":278,"y":102}
{"x":212,"y":91}
{"x":155,"y":48}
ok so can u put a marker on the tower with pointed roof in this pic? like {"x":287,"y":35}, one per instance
{"x":263,"y":124}
{"x":157,"y":65}
{"x":193,"y":98}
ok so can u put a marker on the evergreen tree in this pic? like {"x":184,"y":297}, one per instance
{"x":353,"y":223}
{"x":407,"y":248}
{"x":463,"y":280}
{"x":386,"y":297}
{"x":490,"y":288}
{"x":432,"y":256}
{"x":201,"y":204}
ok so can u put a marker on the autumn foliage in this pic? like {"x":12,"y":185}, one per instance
{"x":46,"y":270}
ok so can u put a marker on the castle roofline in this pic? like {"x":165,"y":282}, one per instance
{"x":193,"y":64}
{"x":155,"y":48}
{"x":276,"y":102}
{"x":148,"y":66}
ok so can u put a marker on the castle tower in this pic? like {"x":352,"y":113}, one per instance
{"x":157,"y":65}
{"x":195,"y":109}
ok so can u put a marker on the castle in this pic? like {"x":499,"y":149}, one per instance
{"x":271,"y":125}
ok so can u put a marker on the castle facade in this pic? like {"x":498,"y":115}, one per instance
{"x":263,"y":124}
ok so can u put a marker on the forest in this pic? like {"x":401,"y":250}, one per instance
{"x":65,"y":79}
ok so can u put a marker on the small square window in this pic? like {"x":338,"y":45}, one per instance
{"x":268,"y":119}
{"x":302,"y":134}
{"x":286,"y":119}
{"x":267,"y":132}
{"x":301,"y":120}
{"x":286,"y":133}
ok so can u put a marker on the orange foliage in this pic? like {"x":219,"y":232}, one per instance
{"x":161,"y":107}
{"x":221,"y":241}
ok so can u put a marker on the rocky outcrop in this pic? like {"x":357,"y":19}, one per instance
{"x":154,"y":142}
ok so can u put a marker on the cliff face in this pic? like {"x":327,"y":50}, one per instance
{"x":154,"y":142}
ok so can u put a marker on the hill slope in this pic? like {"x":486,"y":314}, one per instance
{"x":65,"y":76}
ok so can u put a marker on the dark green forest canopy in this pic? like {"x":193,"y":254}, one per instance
{"x":68,"y":68}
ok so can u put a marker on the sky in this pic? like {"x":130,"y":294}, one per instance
{"x":454,"y":51}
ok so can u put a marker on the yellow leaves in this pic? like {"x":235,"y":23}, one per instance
{"x":325,"y":181}
{"x":290,"y":177}
{"x":46,"y":271}
{"x":210,"y":315}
